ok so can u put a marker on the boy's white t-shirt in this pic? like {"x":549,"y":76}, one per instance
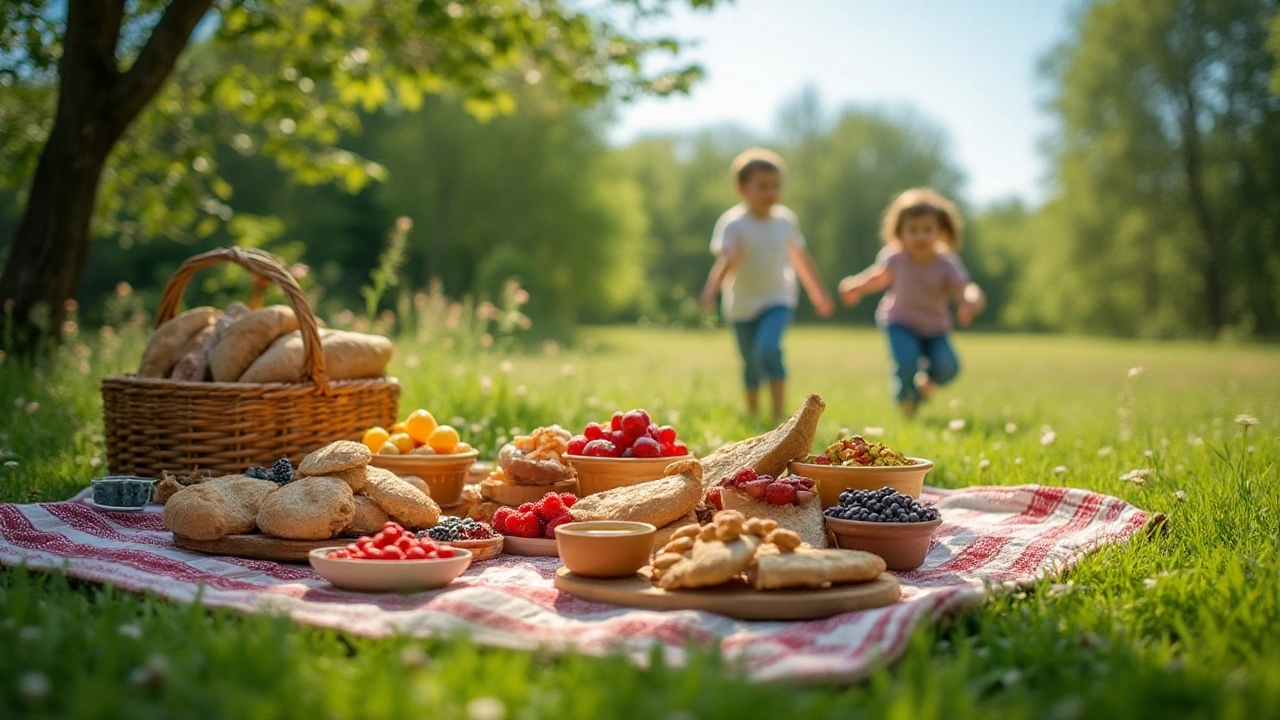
{"x":763,"y":277}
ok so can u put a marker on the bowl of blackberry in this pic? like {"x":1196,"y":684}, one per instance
{"x":468,"y":533}
{"x":895,"y":526}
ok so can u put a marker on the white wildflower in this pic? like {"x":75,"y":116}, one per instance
{"x":1148,"y":453}
{"x":872,"y":431}
{"x":984,"y":464}
{"x":486,"y":384}
{"x":1060,"y":470}
{"x":486,"y":708}
{"x":413,"y":657}
{"x":956,"y":425}
{"x":1017,"y":461}
{"x":1138,"y":476}
{"x":1048,"y":438}
{"x":10,"y":464}
{"x":1195,"y":440}
{"x":1149,"y":583}
{"x":1135,"y":371}
{"x":130,"y":630}
{"x":1010,"y":428}
{"x":506,"y":366}
{"x":33,"y":686}
{"x":33,"y":406}
{"x":1180,"y":496}
{"x":1246,"y":420}
{"x":1105,"y":451}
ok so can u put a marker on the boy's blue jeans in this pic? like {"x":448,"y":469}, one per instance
{"x":760,"y":343}
{"x":907,"y":347}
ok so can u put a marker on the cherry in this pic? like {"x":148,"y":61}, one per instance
{"x":594,"y":431}
{"x":635,"y":423}
{"x":596,"y":448}
{"x":576,"y":444}
{"x":646,"y":447}
{"x":616,"y":422}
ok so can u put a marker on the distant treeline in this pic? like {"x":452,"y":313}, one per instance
{"x":1163,"y":217}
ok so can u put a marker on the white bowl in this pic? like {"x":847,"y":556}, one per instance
{"x":389,"y":575}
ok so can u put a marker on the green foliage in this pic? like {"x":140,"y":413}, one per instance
{"x":1182,"y":624}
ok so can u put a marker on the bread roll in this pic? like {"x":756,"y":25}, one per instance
{"x":174,"y":339}
{"x":347,"y":356}
{"x":247,"y":338}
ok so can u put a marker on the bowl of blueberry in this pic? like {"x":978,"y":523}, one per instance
{"x":885,"y":522}
{"x":126,"y":493}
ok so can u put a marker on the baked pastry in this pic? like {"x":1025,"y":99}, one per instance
{"x":335,"y":457}
{"x":405,"y":503}
{"x":356,"y":477}
{"x":770,"y":453}
{"x":666,"y":532}
{"x":536,"y":458}
{"x":174,"y":339}
{"x":246,"y":339}
{"x":779,"y":567}
{"x":720,"y":552}
{"x":804,"y":518}
{"x":313,"y":508}
{"x":347,"y":356}
{"x":496,"y":489}
{"x":658,"y":502}
{"x":368,"y":520}
{"x":222,"y":506}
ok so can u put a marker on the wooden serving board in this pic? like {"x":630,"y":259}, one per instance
{"x":736,"y":601}
{"x":257,"y":546}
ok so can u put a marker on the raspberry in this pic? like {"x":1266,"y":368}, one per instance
{"x":635,"y":423}
{"x":756,"y":488}
{"x":577,"y":444}
{"x":524,"y":524}
{"x":745,"y":475}
{"x":525,"y":508}
{"x":646,"y":447}
{"x":549,"y":507}
{"x":675,"y":449}
{"x":500,"y":518}
{"x":666,"y":435}
{"x":780,"y":493}
{"x":568,"y":499}
{"x":594,"y":431}
{"x":556,"y":522}
{"x":600,"y":448}
{"x":615,"y":423}
{"x":713,"y":496}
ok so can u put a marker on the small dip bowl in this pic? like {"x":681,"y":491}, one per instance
{"x":902,"y":545}
{"x":597,"y":474}
{"x":388,"y":575}
{"x":122,"y":492}
{"x":831,"y":480}
{"x":605,"y":548}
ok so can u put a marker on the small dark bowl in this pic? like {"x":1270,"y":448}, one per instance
{"x":122,"y":491}
{"x":902,"y":545}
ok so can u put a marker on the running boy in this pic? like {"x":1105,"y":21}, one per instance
{"x":759,"y":252}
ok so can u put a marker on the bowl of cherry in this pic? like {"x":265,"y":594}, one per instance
{"x":627,"y":450}
{"x":393,"y":560}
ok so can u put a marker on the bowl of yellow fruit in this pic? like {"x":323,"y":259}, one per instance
{"x":421,"y":447}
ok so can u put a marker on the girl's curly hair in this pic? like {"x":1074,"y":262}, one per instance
{"x":918,"y":202}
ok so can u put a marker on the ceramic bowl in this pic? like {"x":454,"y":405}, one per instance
{"x":389,"y":575}
{"x":122,"y":492}
{"x":605,"y":548}
{"x":445,"y":475}
{"x":597,"y":474}
{"x":831,"y":480}
{"x":902,"y":545}
{"x":529,"y":547}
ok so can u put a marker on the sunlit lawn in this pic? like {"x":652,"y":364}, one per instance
{"x":1187,"y":624}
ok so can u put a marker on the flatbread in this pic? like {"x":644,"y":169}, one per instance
{"x":812,"y":567}
{"x":770,"y":453}
{"x":659,"y":502}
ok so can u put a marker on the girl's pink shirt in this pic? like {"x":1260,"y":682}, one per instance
{"x":921,"y":294}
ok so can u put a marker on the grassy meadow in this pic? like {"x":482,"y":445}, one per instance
{"x":1186,"y":624}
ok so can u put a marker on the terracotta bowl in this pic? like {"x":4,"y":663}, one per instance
{"x":605,"y":548}
{"x":902,"y":545}
{"x":835,"y":479}
{"x":596,"y":474}
{"x":389,"y":575}
{"x":445,"y":475}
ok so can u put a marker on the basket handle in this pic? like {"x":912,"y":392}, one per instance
{"x":266,"y":269}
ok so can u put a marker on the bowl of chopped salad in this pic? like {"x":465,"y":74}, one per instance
{"x":852,"y":463}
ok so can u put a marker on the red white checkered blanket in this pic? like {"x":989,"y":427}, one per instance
{"x":990,"y":537}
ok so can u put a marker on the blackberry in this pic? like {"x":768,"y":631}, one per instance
{"x":282,"y":472}
{"x":258,"y":472}
{"x":883,"y":505}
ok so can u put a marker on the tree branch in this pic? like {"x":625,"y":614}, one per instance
{"x":154,"y":64}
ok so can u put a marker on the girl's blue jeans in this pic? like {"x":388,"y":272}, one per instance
{"x":760,"y":343}
{"x":907,"y":348}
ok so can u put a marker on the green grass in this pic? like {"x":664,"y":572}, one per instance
{"x":1182,"y":625}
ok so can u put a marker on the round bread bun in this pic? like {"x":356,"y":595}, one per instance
{"x":523,"y":471}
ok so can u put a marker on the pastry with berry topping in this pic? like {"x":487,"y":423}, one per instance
{"x":790,"y":501}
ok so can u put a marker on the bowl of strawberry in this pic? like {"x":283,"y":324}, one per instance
{"x":393,"y":560}
{"x":628,"y":450}
{"x":530,"y":529}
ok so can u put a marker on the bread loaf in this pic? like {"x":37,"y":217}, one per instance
{"x":347,"y":356}
{"x":174,"y":339}
{"x":247,"y":338}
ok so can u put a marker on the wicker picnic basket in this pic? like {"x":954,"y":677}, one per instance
{"x":225,"y":427}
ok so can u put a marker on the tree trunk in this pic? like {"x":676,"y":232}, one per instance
{"x":1213,"y":262}
{"x":96,"y":102}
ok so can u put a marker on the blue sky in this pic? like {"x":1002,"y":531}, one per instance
{"x":969,"y":66}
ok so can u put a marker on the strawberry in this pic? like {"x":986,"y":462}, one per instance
{"x":568,"y":499}
{"x":549,"y":507}
{"x":713,"y":497}
{"x":556,"y":522}
{"x":756,"y":488}
{"x":500,"y":518}
{"x":524,"y":524}
{"x":780,"y":493}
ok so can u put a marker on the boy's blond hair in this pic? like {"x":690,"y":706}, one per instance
{"x":922,"y":201}
{"x":754,"y":160}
